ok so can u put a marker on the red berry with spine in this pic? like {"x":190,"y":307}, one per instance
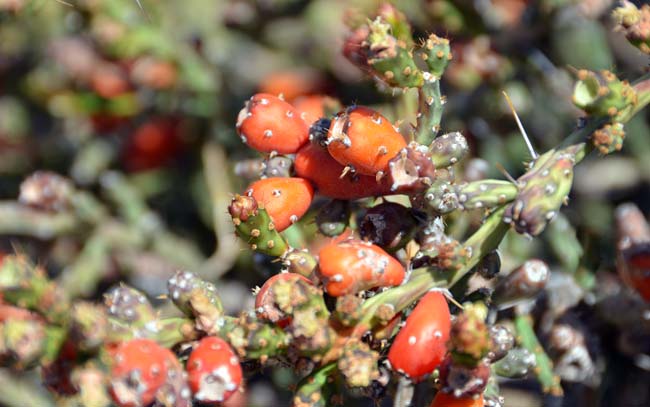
{"x":268,"y":123}
{"x":285,"y":199}
{"x":139,"y":369}
{"x":443,"y":399}
{"x":213,"y":369}
{"x":421,"y":345}
{"x":265,"y":303}
{"x":315,"y":164}
{"x":352,"y":265}
{"x":365,"y":140}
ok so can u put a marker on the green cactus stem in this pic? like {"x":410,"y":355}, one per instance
{"x":517,"y":363}
{"x":542,"y":191}
{"x":311,"y":391}
{"x":130,"y":306}
{"x":436,"y":53}
{"x":197,"y":298}
{"x":634,"y":23}
{"x":562,"y":239}
{"x":430,"y":107}
{"x":604,"y":94}
{"x":88,"y":325}
{"x":448,"y":149}
{"x":17,"y":219}
{"x":25,"y":343}
{"x":526,"y":337}
{"x":609,"y":138}
{"x":166,"y":331}
{"x":253,"y":225}
{"x":300,"y":261}
{"x":27,"y":286}
{"x":17,"y":391}
{"x":251,"y":338}
{"x":470,"y":337}
{"x":390,"y":59}
{"x":485,"y":194}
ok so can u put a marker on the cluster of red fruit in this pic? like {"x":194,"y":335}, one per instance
{"x":346,"y":158}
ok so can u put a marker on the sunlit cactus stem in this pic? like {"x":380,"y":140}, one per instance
{"x":312,"y":390}
{"x":255,"y":227}
{"x":527,"y":338}
{"x":485,"y":194}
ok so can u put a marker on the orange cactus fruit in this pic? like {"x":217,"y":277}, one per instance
{"x":352,"y":265}
{"x":292,"y":83}
{"x":421,"y":345}
{"x":449,"y":400}
{"x":315,"y":164}
{"x":268,"y":123}
{"x":314,"y":107}
{"x":139,"y":369}
{"x":284,"y":199}
{"x":213,"y":370}
{"x":365,"y":140}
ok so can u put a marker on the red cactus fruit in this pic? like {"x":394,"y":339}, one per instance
{"x":365,"y":140}
{"x":108,"y":81}
{"x":139,"y":369}
{"x":292,"y":84}
{"x":213,"y":369}
{"x":312,"y":108}
{"x":57,"y":375}
{"x":153,"y":144}
{"x":443,"y":399}
{"x":154,"y":73}
{"x":285,"y":199}
{"x":315,"y":164}
{"x":268,"y":123}
{"x":351,"y":265}
{"x":420,"y":346}
{"x":264,"y":302}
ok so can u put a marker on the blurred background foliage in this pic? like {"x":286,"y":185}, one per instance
{"x":136,"y":103}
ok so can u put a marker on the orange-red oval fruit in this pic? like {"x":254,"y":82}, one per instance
{"x":265,"y":303}
{"x":364,"y":139}
{"x":213,"y":370}
{"x":153,"y":144}
{"x":268,"y":123}
{"x":108,"y":81}
{"x":292,"y":83}
{"x":420,"y":346}
{"x":312,"y":107}
{"x":448,"y":400}
{"x":139,"y":369}
{"x":352,"y":265}
{"x":315,"y":164}
{"x":285,"y":199}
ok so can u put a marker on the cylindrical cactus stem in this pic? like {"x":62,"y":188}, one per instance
{"x":431,"y":104}
{"x":27,"y":342}
{"x":254,"y":226}
{"x":400,"y":27}
{"x":501,"y":342}
{"x":348,"y":309}
{"x":542,"y":191}
{"x":129,"y":306}
{"x":411,"y":170}
{"x":300,"y":262}
{"x":334,"y":217}
{"x":252,"y":338}
{"x":561,"y":237}
{"x":358,"y":364}
{"x":27,"y":285}
{"x":448,"y":149}
{"x":166,"y":331}
{"x":440,"y":198}
{"x":390,"y":59}
{"x":485,"y":194}
{"x":633,"y":22}
{"x":196,"y":297}
{"x":88,"y":325}
{"x":603,"y":94}
{"x":522,"y":284}
{"x":312,"y":390}
{"x":470,"y":336}
{"x":436,"y":53}
{"x":517,"y":363}
{"x":609,"y":138}
{"x":544,"y":367}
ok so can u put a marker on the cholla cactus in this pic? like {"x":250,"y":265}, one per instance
{"x":382,"y":244}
